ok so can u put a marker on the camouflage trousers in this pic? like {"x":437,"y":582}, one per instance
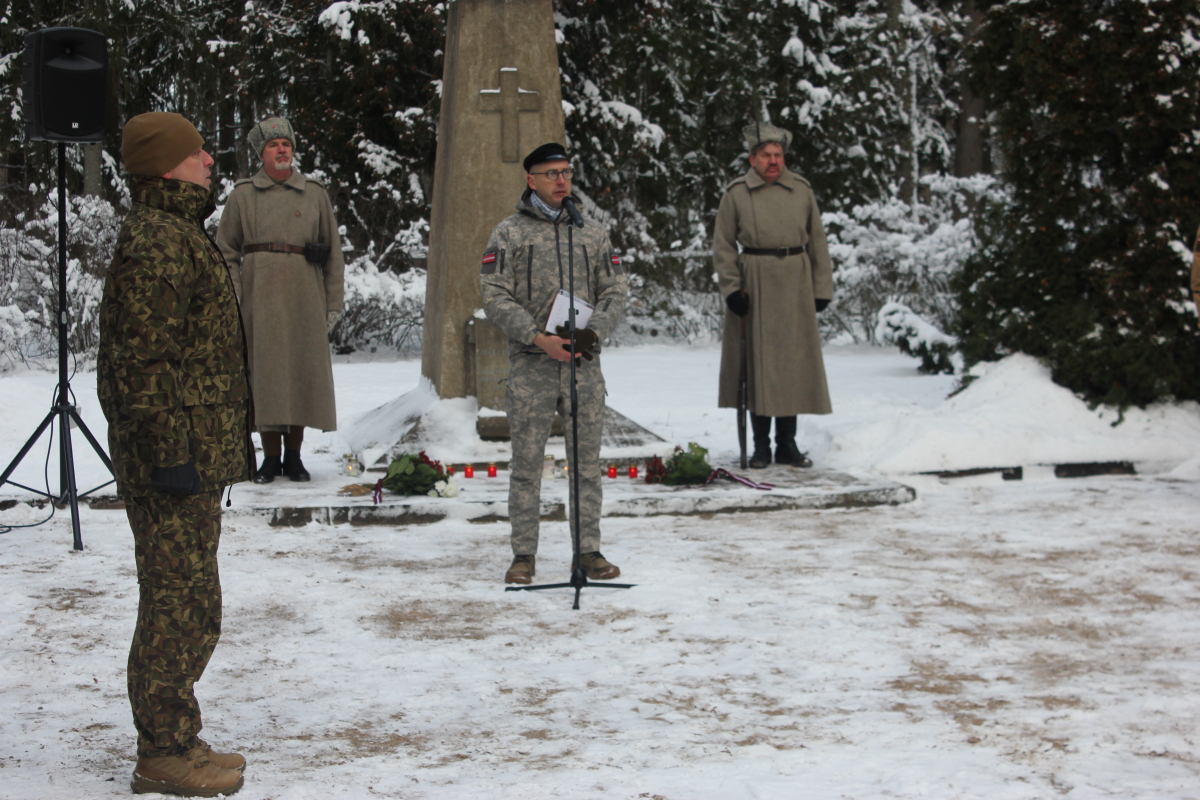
{"x":539,"y":388}
{"x":179,"y":615}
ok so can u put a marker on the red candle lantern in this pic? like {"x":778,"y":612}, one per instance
{"x":633,"y":470}
{"x":612,"y":470}
{"x":468,"y":471}
{"x":449,"y":469}
{"x":491,"y":470}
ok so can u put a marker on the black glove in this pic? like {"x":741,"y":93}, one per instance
{"x":738,"y":302}
{"x":585,"y":340}
{"x":316,"y":253}
{"x":182,"y":480}
{"x":822,"y":303}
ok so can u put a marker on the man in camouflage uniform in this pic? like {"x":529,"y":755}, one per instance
{"x":172,"y":380}
{"x":524,"y":266}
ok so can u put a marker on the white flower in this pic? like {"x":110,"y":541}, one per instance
{"x":446,"y":488}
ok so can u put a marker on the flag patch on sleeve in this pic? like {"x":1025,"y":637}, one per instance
{"x":616,"y":264}
{"x":489,"y":262}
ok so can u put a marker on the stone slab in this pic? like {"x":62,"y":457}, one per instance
{"x":482,"y":499}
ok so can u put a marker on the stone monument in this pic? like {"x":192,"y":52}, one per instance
{"x":501,"y":98}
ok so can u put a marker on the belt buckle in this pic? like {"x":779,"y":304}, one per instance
{"x":781,"y":252}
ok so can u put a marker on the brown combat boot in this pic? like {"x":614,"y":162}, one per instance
{"x":522,"y":570}
{"x":597,"y":567}
{"x":190,"y":774}
{"x":224,"y":760}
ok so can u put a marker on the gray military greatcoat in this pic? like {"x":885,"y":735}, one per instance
{"x":786,"y":374}
{"x":284,"y":297}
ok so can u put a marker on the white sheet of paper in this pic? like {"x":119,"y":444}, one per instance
{"x":558,"y":311}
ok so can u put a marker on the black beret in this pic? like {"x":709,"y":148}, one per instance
{"x":551,"y":151}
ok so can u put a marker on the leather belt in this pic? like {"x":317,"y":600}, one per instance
{"x":273,"y":247}
{"x":778,"y":252}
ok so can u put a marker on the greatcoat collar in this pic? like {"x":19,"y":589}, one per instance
{"x":264,"y":181}
{"x":787,"y":179}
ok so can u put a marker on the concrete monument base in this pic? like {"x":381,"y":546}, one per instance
{"x":483,"y":499}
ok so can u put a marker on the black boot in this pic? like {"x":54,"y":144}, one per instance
{"x":293,"y":467}
{"x":270,"y":469}
{"x":786,"y":451}
{"x":762,"y":441}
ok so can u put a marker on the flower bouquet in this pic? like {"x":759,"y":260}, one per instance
{"x":410,"y":474}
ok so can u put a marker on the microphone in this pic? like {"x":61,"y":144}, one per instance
{"x":569,"y":204}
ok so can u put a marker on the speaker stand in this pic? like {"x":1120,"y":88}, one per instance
{"x":62,"y":410}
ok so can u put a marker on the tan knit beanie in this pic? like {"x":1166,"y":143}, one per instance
{"x":155,"y":143}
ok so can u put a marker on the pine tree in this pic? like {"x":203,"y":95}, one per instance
{"x":1096,"y":110}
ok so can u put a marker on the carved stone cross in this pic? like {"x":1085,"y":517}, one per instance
{"x":509,"y":99}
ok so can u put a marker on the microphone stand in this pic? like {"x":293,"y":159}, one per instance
{"x":579,"y":577}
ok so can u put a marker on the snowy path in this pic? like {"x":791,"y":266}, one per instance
{"x":1015,"y":640}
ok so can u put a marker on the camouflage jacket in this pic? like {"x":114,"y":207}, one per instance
{"x":171,"y":372}
{"x":526,"y":263}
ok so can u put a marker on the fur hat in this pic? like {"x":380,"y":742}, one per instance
{"x":153,"y":144}
{"x":760,"y":133}
{"x":268,"y":129}
{"x":550,"y":151}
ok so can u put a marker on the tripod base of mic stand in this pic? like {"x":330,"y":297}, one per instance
{"x":577,"y":582}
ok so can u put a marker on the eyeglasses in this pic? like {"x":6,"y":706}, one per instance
{"x":554,"y":174}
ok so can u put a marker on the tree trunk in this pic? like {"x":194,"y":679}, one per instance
{"x":969,"y":155}
{"x":904,"y":75}
{"x":93,"y":160}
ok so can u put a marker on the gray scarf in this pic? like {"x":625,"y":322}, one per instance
{"x":540,"y":205}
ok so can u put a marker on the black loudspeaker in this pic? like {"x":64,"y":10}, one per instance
{"x":66,"y":85}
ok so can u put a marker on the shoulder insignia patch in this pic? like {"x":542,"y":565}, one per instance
{"x":616,"y":263}
{"x":490,"y":257}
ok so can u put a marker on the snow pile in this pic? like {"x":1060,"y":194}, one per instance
{"x":1014,"y":415}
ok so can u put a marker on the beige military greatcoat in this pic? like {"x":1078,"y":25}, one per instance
{"x":786,"y":374}
{"x":284,"y":297}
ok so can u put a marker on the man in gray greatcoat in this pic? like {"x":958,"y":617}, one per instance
{"x":280,"y":238}
{"x":773,"y":270}
{"x":524,"y":267}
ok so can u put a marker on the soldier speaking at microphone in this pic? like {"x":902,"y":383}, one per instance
{"x":524,"y":266}
{"x":773,"y":270}
{"x":280,"y":238}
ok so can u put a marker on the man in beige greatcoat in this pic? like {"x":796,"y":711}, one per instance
{"x":774,"y":272}
{"x":280,"y":238}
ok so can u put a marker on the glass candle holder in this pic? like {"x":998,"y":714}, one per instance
{"x":633,"y":470}
{"x":612,"y":470}
{"x":468,"y":471}
{"x":491,"y":470}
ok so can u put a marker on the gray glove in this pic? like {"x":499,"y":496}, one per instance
{"x":331,"y":319}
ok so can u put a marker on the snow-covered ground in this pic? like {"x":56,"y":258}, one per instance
{"x":1021,"y":639}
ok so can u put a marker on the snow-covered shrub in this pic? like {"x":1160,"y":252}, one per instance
{"x":901,"y":326}
{"x":29,"y":278}
{"x":382,"y":308}
{"x":888,"y":251}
